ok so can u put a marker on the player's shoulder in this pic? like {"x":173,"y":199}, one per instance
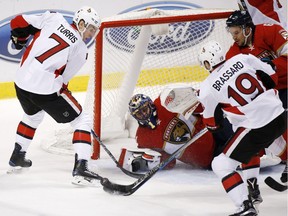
{"x":267,"y":28}
{"x":232,"y":51}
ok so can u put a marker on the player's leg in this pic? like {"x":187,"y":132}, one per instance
{"x":64,"y":108}
{"x":225,"y":168}
{"x":250,"y":174}
{"x":26,"y":129}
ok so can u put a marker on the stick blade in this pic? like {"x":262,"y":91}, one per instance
{"x":275,"y":185}
{"x":116,"y":189}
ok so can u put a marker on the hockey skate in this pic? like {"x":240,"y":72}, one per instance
{"x":247,"y":209}
{"x":254,"y":193}
{"x":18,"y":161}
{"x":83,"y":176}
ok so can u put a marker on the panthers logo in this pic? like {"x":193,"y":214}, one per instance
{"x":177,"y":132}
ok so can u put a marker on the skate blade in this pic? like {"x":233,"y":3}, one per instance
{"x":256,"y":206}
{"x":84,"y":181}
{"x":17,"y":170}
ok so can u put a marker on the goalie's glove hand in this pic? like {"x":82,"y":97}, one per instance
{"x":138,"y":164}
{"x":18,"y":40}
{"x":139,"y":159}
{"x":269,"y":61}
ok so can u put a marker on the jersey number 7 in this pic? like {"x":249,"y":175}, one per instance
{"x":60,"y":46}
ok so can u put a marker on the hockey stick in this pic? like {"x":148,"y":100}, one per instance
{"x":275,"y":184}
{"x":127,"y":190}
{"x":127,"y":172}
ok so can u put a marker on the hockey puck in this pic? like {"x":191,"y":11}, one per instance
{"x":104,"y":181}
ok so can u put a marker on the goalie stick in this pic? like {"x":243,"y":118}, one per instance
{"x":127,"y":172}
{"x":126,"y":190}
{"x":275,"y":184}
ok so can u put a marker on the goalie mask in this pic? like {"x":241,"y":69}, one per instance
{"x":91,"y":21}
{"x":142,"y":108}
{"x":211,"y":54}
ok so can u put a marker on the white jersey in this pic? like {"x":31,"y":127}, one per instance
{"x":53,"y":57}
{"x":243,"y":98}
{"x":267,"y":11}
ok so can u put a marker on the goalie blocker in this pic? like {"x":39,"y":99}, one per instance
{"x":139,"y":160}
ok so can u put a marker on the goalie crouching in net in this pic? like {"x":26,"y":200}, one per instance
{"x":162,"y":132}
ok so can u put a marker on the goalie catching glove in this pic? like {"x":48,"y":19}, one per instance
{"x":140,"y":160}
{"x":180,"y":98}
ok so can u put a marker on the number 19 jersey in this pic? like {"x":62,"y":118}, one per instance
{"x":241,"y":94}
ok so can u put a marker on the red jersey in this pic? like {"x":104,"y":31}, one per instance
{"x":268,"y":41}
{"x":172,"y":131}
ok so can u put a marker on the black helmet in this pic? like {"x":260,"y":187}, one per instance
{"x":239,"y":18}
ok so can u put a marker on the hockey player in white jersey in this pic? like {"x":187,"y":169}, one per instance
{"x":242,"y":90}
{"x":55,"y":54}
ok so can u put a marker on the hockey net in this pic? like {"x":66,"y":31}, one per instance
{"x":142,"y":52}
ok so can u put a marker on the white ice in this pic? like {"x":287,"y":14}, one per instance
{"x":46,"y":189}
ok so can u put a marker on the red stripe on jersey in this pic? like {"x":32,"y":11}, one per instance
{"x":234,"y":138}
{"x":253,"y":163}
{"x":231,"y":181}
{"x":81,"y":136}
{"x":72,"y":99}
{"x":25,"y":131}
{"x":232,"y":109}
{"x":18,"y":22}
{"x":60,"y":71}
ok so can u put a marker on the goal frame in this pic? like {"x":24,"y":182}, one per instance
{"x":99,"y":56}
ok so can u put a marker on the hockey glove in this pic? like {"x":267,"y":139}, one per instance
{"x":139,"y":159}
{"x":19,"y":39}
{"x":20,"y":36}
{"x":269,"y":61}
{"x":266,"y":79}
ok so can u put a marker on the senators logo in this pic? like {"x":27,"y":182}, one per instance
{"x":177,"y":132}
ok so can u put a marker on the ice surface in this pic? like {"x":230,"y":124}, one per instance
{"x":46,"y":189}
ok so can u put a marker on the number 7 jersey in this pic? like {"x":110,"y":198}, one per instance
{"x":241,"y":94}
{"x":54,"y":56}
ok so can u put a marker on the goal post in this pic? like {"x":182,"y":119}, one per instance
{"x":135,"y":54}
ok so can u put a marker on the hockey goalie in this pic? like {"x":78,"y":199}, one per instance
{"x":166,"y":124}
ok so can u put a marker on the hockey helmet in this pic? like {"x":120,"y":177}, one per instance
{"x":212,"y":53}
{"x":239,"y":18}
{"x":90,"y":18}
{"x":142,"y":108}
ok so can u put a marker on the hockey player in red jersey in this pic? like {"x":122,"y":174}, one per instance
{"x":242,"y":90}
{"x":265,"y":11}
{"x":55,"y":54}
{"x":161,"y":132}
{"x":267,"y":42}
